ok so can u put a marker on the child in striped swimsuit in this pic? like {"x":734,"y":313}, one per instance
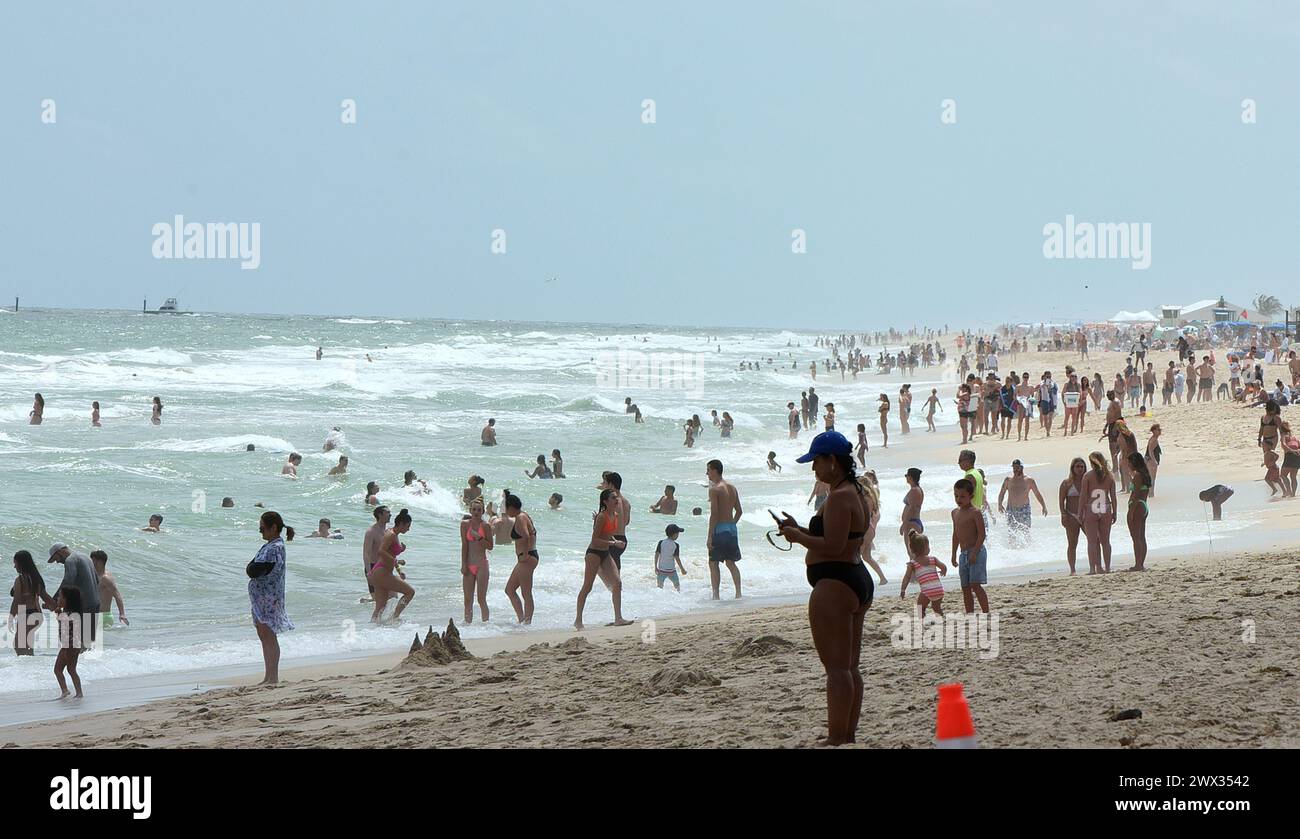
{"x":921,"y":567}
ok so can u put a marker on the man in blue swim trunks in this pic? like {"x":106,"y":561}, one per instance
{"x":968,"y":536}
{"x":723,"y":542}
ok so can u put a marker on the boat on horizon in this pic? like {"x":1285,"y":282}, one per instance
{"x":169,"y":307}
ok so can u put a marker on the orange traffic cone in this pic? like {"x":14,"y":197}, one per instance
{"x":954,"y":728}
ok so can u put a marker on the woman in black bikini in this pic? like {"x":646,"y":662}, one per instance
{"x":1268,"y":425}
{"x":598,"y":559}
{"x":523,"y":534}
{"x":842,"y":587}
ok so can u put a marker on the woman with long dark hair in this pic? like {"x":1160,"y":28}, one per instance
{"x":38,"y":411}
{"x":523,"y":534}
{"x":1138,"y":509}
{"x":266,"y":591}
{"x":604,"y":523}
{"x":386,"y":575}
{"x":28,"y":593}
{"x":842,"y":586}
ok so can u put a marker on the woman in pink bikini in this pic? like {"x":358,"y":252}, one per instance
{"x":475,"y":542}
{"x":386,"y":576}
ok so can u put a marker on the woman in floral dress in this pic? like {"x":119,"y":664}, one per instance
{"x":266,"y":592}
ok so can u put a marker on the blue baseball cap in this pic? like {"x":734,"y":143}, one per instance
{"x":828,"y":442}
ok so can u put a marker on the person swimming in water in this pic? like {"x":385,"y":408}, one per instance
{"x":557,"y":464}
{"x":156,"y":417}
{"x":541,"y":470}
{"x":324,"y":531}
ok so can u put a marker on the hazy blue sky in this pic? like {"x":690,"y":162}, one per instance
{"x":770,"y":117}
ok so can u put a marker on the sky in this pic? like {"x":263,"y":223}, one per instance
{"x":528,"y":118}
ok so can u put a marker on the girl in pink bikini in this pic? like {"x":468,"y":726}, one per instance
{"x":475,"y":542}
{"x":386,"y":576}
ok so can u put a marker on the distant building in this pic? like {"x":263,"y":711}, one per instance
{"x":1209,"y":311}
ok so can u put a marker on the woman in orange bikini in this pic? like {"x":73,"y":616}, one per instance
{"x":475,"y":542}
{"x":523,"y":533}
{"x":603,"y":526}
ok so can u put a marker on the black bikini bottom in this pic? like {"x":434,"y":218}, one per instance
{"x":854,"y":575}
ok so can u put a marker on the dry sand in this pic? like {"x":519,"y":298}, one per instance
{"x":1205,"y":649}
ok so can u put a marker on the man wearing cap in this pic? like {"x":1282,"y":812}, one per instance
{"x":723,"y":541}
{"x":79,"y":574}
{"x":668,"y":557}
{"x":1015,"y":491}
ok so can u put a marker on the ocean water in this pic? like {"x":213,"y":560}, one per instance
{"x":230,"y":380}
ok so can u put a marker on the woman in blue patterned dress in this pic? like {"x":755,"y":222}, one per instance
{"x":266,"y":592}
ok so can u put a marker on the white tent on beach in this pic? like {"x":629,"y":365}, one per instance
{"x":1134,"y":317}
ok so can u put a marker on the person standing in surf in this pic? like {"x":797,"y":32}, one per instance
{"x":475,"y":542}
{"x":597,"y":559}
{"x":723,"y":541}
{"x":387,"y":576}
{"x":523,"y":535}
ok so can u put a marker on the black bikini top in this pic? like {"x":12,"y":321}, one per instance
{"x":817,"y":528}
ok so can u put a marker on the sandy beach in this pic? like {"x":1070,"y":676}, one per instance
{"x":1205,"y":649}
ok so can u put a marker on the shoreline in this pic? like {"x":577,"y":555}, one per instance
{"x":22,"y":710}
{"x":1194,"y":643}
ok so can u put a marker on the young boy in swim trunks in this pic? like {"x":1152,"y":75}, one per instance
{"x":668,"y":558}
{"x":968,"y":535}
